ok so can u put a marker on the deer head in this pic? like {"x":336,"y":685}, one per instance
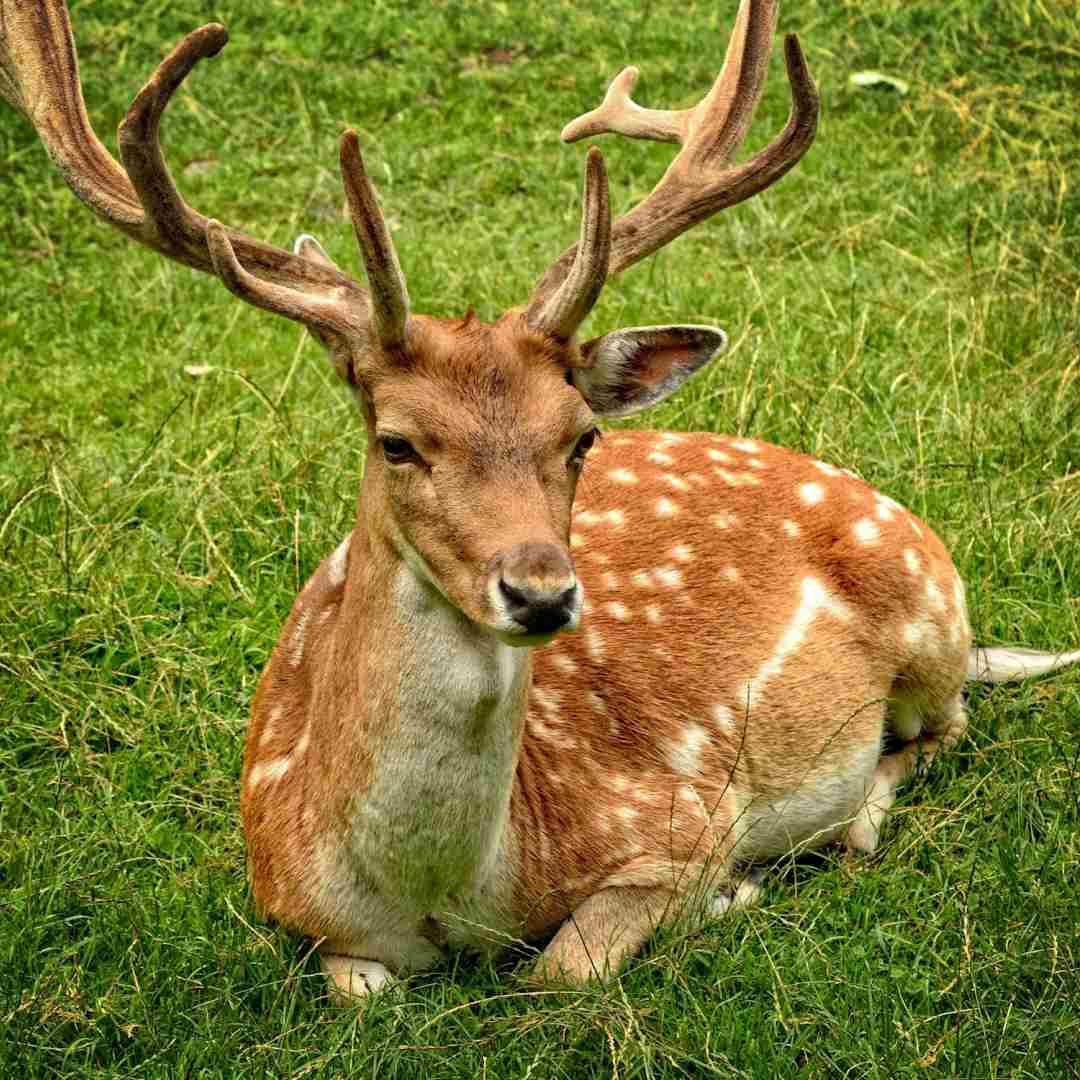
{"x":477,"y":432}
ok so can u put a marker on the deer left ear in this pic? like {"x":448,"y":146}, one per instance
{"x":628,"y":370}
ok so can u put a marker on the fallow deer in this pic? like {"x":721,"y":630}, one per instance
{"x":433,"y":758}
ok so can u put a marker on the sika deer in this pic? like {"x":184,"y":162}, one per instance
{"x":423,"y":768}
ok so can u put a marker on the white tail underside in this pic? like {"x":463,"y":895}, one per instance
{"x":1010,"y":664}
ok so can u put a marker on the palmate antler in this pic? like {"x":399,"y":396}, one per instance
{"x":39,"y":76}
{"x":700,"y":181}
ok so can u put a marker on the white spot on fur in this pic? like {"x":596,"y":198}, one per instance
{"x":268,"y":771}
{"x":913,"y":633}
{"x":911,"y":561}
{"x":723,"y":520}
{"x":658,"y":457}
{"x":338,"y":563}
{"x":724,"y":719}
{"x":827,"y":469}
{"x":653,"y":614}
{"x":719,"y":455}
{"x":628,"y":814}
{"x":811,"y":493}
{"x":623,"y":476}
{"x":576,"y":540}
{"x":935,"y":597}
{"x":814,"y":599}
{"x":669,"y":438}
{"x":669,"y":576}
{"x":643,"y":580}
{"x":564,"y":663}
{"x":790,"y":527}
{"x":547,"y":700}
{"x":611,"y":580}
{"x":619,"y":782}
{"x":270,"y":727}
{"x":747,"y":446}
{"x":866,"y":531}
{"x":684,"y":755}
{"x":738,"y":479}
{"x":887,"y":508}
{"x":616,"y":517}
{"x":618,"y":611}
{"x":599,"y":558}
{"x":586,"y":518}
{"x":666,"y":508}
{"x":594,"y":643}
{"x":677,"y":482}
{"x":296,"y":646}
{"x":731,"y":573}
{"x":683,"y":553}
{"x":596,"y":703}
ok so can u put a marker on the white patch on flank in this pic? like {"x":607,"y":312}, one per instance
{"x":594,"y":643}
{"x":684,"y":754}
{"x":576,"y":540}
{"x":670,"y":438}
{"x":738,"y":479}
{"x":268,"y":771}
{"x":628,"y":814}
{"x":599,"y":558}
{"x":747,"y":446}
{"x":296,"y":646}
{"x":643,"y":580}
{"x":827,"y":469}
{"x":611,"y":580}
{"x":587,"y":518}
{"x":619,"y":782}
{"x":653,"y":614}
{"x":683,"y":553}
{"x":814,"y":600}
{"x":615,"y":517}
{"x":547,"y":700}
{"x":724,"y":719}
{"x":658,"y":457}
{"x":731,"y":573}
{"x":622,"y":476}
{"x":723,"y":520}
{"x":338,"y":562}
{"x":911,"y":560}
{"x":618,"y":611}
{"x":666,"y":508}
{"x":811,"y":493}
{"x":718,"y":455}
{"x":669,"y":576}
{"x":564,"y":663}
{"x":866,"y":531}
{"x":677,"y":482}
{"x":790,"y":527}
{"x":755,"y":463}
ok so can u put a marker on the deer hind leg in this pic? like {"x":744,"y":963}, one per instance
{"x":924,"y":733}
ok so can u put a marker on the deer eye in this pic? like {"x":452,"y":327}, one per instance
{"x":584,"y":445}
{"x":396,"y":450}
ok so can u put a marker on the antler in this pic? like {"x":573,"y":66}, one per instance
{"x":700,"y":182}
{"x":39,"y":76}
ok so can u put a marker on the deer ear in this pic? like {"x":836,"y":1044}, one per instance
{"x":631,"y":369}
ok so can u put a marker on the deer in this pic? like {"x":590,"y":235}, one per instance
{"x":551,"y":687}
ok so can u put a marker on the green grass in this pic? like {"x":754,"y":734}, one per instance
{"x":905,"y":303}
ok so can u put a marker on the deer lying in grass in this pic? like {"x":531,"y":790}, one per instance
{"x":751,"y":622}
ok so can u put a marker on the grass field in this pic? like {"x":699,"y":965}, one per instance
{"x":905,"y":303}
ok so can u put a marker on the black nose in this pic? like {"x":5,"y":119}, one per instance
{"x":538,"y":587}
{"x":538,"y":612}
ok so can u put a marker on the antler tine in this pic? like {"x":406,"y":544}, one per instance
{"x":39,"y":75}
{"x":561,"y":313}
{"x":699,"y":182}
{"x":389,"y":296}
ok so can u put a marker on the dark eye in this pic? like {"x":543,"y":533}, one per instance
{"x":584,"y":445}
{"x":397,"y":451}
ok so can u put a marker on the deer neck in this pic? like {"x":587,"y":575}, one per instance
{"x":443,"y":712}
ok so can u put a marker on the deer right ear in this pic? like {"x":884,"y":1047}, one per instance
{"x":628,"y":370}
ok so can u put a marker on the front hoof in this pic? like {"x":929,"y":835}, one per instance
{"x":351,"y":978}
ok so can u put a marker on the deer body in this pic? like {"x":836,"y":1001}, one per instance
{"x":429,"y":762}
{"x":488,"y":801}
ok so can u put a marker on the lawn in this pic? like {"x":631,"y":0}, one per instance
{"x":905,"y":303}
